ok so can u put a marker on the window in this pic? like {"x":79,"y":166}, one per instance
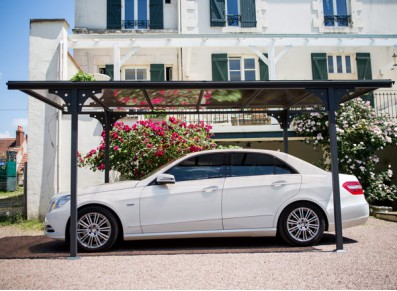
{"x":167,"y":1}
{"x":240,"y":13}
{"x":200,"y":167}
{"x":336,"y":13}
{"x":137,"y":14}
{"x":242,"y":69}
{"x":232,"y":13}
{"x":339,"y":64}
{"x":136,"y":74}
{"x":249,"y":164}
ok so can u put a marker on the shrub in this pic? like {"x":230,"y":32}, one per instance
{"x":360,"y":134}
{"x":139,"y":149}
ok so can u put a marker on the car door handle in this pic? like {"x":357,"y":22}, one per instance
{"x":279,"y":183}
{"x":210,"y":189}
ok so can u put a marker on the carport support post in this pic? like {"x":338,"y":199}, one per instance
{"x":107,"y":147}
{"x":284,"y":126}
{"x":333,"y":102}
{"x":73,"y":173}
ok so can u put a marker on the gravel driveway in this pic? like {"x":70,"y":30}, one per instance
{"x":369,"y":262}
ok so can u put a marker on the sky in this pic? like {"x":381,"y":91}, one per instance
{"x":15,"y":18}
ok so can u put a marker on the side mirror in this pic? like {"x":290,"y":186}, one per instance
{"x":165,"y":179}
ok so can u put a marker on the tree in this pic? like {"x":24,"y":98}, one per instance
{"x":360,"y":134}
{"x":139,"y":149}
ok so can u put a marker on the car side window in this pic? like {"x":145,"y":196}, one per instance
{"x":200,"y":167}
{"x":281,"y":167}
{"x":254,"y":164}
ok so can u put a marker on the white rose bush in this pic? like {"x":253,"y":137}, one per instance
{"x":360,"y":135}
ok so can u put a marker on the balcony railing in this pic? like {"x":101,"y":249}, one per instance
{"x":236,"y":119}
{"x":386,"y":103}
{"x":337,"y":20}
{"x":136,"y":24}
{"x":233,"y":19}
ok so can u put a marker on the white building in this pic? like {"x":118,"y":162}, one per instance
{"x":218,"y":40}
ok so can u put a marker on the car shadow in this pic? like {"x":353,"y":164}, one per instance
{"x":29,"y":247}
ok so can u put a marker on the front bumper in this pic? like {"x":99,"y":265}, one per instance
{"x":55,"y":223}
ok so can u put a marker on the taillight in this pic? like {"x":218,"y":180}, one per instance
{"x":353,"y":187}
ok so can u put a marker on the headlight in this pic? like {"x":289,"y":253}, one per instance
{"x":59,"y":202}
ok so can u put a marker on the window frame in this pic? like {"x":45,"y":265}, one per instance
{"x":335,"y":20}
{"x":242,"y":70}
{"x":238,"y":24}
{"x":143,"y":67}
{"x":136,"y":15}
{"x":344,"y":74}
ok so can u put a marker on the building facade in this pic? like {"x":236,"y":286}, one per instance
{"x":188,"y":40}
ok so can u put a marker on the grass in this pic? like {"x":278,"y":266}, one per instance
{"x":4,"y":194}
{"x":18,"y":221}
{"x":13,"y":217}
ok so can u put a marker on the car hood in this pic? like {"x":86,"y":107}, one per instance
{"x":101,"y":188}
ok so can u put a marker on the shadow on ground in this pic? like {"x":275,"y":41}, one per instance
{"x":28,"y":247}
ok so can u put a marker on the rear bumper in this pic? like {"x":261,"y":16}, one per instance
{"x":352,"y":215}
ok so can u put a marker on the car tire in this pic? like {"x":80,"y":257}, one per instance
{"x":301,"y":224}
{"x":97,"y":229}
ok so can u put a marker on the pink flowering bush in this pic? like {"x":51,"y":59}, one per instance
{"x":139,"y":149}
{"x":360,"y":134}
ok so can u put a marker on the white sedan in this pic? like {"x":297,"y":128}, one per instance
{"x":218,"y":193}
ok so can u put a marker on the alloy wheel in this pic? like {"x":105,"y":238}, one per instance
{"x":303,"y":224}
{"x":93,"y":230}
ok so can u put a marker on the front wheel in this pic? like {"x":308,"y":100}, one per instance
{"x":97,"y":229}
{"x":302,"y":224}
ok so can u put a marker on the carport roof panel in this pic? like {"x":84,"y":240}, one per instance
{"x":200,"y":95}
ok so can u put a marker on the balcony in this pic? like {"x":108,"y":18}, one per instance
{"x":337,"y":20}
{"x":135,"y":24}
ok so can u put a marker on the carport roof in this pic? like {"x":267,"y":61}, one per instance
{"x":195,"y":97}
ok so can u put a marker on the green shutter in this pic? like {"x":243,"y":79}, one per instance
{"x":157,"y":72}
{"x":109,"y":70}
{"x":319,"y":66}
{"x":113,"y":14}
{"x":364,"y":72}
{"x":218,"y":17}
{"x":263,"y":70}
{"x":156,"y":14}
{"x":219,"y":67}
{"x":248,"y":13}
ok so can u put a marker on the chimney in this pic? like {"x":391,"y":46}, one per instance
{"x":20,"y":137}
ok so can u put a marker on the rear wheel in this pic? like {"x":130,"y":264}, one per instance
{"x":97,"y":229}
{"x":302,"y":224}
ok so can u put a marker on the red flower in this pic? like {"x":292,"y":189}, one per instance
{"x":101,"y":167}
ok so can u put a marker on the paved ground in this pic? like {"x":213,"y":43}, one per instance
{"x":370,"y":262}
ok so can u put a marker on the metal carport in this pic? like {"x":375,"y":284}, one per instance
{"x":110,"y":101}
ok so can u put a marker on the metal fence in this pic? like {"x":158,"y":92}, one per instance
{"x":386,"y":103}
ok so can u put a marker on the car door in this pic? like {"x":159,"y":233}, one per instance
{"x":193,"y":203}
{"x":255,"y":187}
